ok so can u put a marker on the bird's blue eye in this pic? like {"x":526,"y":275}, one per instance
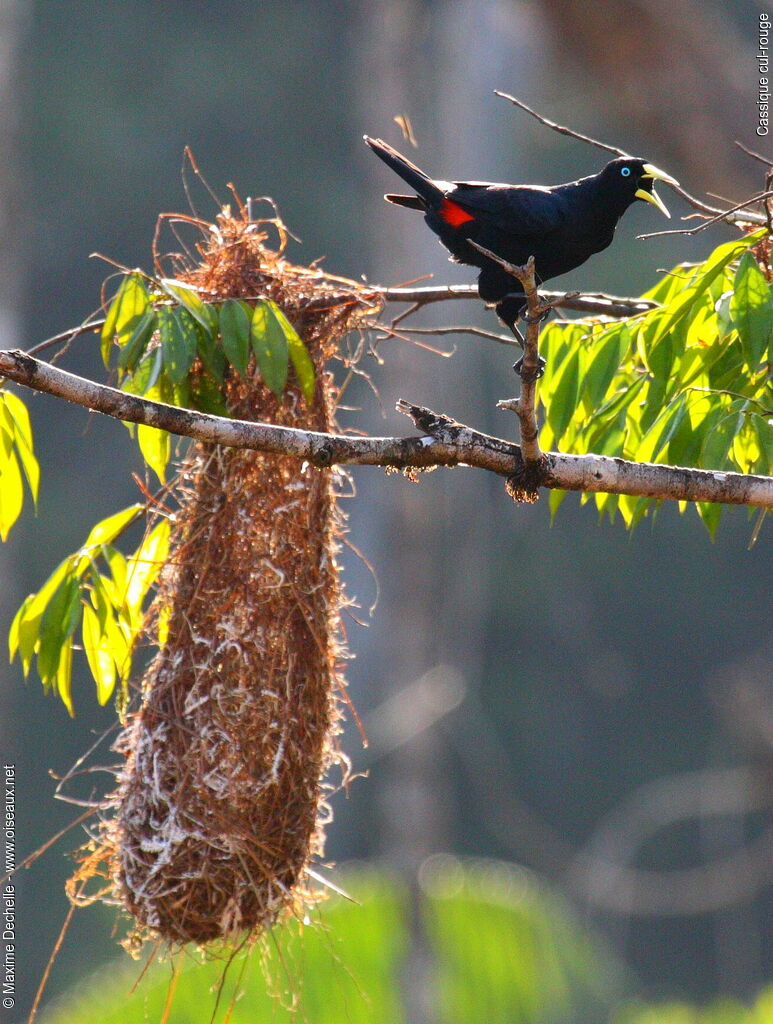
{"x":625,"y":171}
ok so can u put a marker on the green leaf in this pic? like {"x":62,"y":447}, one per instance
{"x":554,"y":502}
{"x":211,"y":355}
{"x":11,"y":493}
{"x":563,"y":402}
{"x":106,"y":530}
{"x":718,"y":445}
{"x":135,"y":344}
{"x":98,"y":655}
{"x":130,"y":303}
{"x":147,"y":373}
{"x":155,"y":445}
{"x":665,"y":319}
{"x":143,"y":568}
{"x":299,"y":355}
{"x":751,"y":309}
{"x":190,"y":300}
{"x":659,"y":435}
{"x":58,"y":623}
{"x":235,"y":334}
{"x":64,"y":678}
{"x":24,"y":633}
{"x":607,"y":354}
{"x":179,"y":333}
{"x":206,"y":396}
{"x":270,"y":347}
{"x":16,"y":412}
{"x":710,"y":512}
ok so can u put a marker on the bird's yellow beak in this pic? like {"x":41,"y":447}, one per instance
{"x":652,"y":197}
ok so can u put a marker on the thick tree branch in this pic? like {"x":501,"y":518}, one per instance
{"x":448,"y":444}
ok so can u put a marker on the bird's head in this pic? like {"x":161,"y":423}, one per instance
{"x":628,"y":179}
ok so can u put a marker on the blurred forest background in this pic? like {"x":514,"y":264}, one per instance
{"x":594,"y":706}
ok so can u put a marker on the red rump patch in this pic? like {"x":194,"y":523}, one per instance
{"x":453,"y":214}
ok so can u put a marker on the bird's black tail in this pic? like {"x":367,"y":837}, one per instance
{"x":409,"y":172}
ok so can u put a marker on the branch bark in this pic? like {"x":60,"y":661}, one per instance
{"x":597,"y":302}
{"x":445,"y":443}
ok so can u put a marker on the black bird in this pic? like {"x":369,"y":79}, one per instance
{"x":560,"y":226}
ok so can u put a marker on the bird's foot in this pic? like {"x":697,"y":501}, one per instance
{"x":539,"y":318}
{"x":530,"y":377}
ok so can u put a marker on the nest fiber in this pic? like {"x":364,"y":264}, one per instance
{"x":221,"y":803}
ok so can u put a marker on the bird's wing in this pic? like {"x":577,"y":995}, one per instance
{"x":525,"y":209}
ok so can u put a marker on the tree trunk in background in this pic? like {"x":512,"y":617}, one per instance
{"x":13,"y":20}
{"x":432,"y":609}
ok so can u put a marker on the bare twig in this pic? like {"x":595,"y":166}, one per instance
{"x":731,"y":216}
{"x":768,"y":161}
{"x":448,"y":444}
{"x":561,"y":129}
{"x":67,"y":336}
{"x":722,"y":215}
{"x":478,"y":332}
{"x":595,"y":302}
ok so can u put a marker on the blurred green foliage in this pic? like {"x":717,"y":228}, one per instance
{"x":502,"y":951}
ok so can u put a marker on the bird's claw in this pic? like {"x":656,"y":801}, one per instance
{"x":530,"y":377}
{"x":539,"y":318}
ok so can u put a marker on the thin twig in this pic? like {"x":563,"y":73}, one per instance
{"x":768,"y":161}
{"x":452,"y":444}
{"x":729,"y":215}
{"x":503,"y":339}
{"x":722,"y":215}
{"x":592,"y":302}
{"x":561,"y":129}
{"x":67,"y":336}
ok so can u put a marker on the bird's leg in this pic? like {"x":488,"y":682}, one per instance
{"x":511,"y":308}
{"x":518,"y":365}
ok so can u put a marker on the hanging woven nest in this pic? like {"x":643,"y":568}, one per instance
{"x":221,"y":805}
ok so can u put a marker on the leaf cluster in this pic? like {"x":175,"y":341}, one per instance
{"x":171,"y":346}
{"x":687,"y":383}
{"x":100,"y":591}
